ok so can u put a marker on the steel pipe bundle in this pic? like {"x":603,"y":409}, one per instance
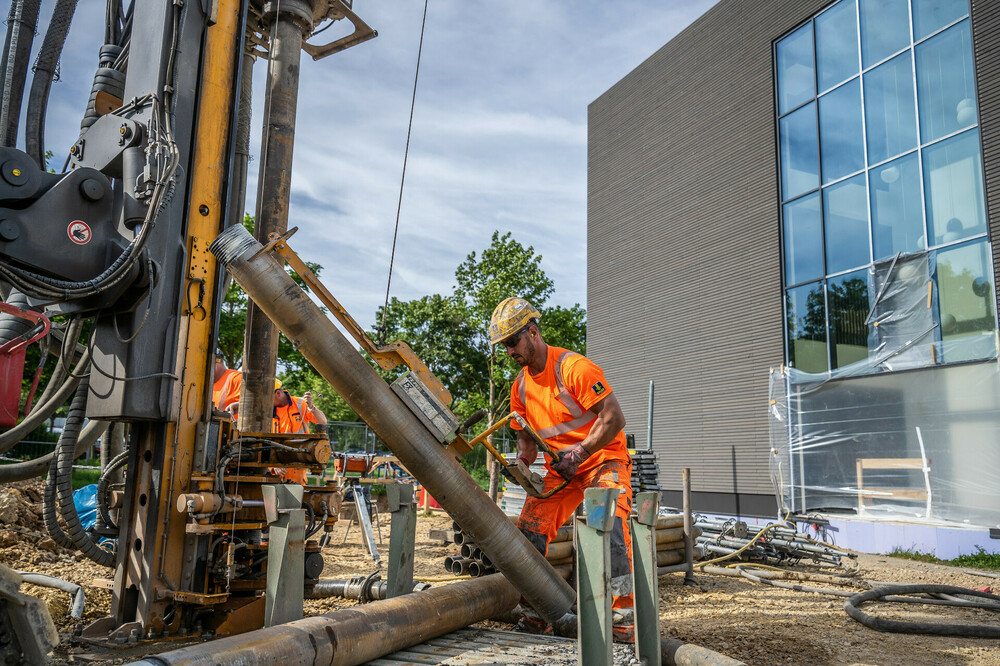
{"x":777,"y":544}
{"x":471,"y":560}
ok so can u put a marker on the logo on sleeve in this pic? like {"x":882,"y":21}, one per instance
{"x":598,"y":388}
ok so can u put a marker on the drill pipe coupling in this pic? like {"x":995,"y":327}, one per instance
{"x":303,"y":13}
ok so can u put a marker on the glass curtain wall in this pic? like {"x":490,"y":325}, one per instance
{"x":880,"y":158}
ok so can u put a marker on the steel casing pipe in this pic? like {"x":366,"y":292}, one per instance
{"x":355,"y":635}
{"x":329,"y":351}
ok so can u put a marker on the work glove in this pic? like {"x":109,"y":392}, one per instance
{"x":569,"y":459}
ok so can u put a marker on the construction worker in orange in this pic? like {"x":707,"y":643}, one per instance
{"x":293,"y":415}
{"x":566,"y":399}
{"x":226,"y":389}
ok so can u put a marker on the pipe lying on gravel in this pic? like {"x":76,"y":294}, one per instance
{"x":265,"y":281}
{"x":45,"y":580}
{"x":678,"y":653}
{"x":354,"y":588}
{"x":355,"y":635}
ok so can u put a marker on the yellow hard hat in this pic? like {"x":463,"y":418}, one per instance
{"x":509,"y":317}
{"x":277,"y":383}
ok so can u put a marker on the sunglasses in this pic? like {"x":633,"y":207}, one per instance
{"x":512,"y":341}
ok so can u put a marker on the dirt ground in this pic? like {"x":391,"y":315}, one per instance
{"x":736,"y":617}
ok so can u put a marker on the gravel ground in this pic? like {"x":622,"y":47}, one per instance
{"x":736,"y":617}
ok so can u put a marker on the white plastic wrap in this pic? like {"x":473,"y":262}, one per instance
{"x":913,"y":431}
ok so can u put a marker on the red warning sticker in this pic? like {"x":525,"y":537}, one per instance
{"x":79,"y":232}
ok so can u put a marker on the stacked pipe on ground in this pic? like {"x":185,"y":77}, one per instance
{"x":471,"y":561}
{"x":645,"y":472}
{"x":777,"y":545}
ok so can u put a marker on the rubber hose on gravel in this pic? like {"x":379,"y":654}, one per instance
{"x":64,"y":481}
{"x":894,"y":626}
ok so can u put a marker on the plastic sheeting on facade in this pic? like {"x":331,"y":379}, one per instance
{"x":900,"y":434}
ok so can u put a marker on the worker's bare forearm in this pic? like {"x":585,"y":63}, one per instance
{"x":610,"y":421}
{"x":527,"y":450}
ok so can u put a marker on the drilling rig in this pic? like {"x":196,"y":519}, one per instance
{"x":128,"y":243}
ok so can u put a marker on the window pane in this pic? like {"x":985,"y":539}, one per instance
{"x":841,"y":145}
{"x":845,"y":215}
{"x":897,"y":209}
{"x":885,"y":29}
{"x":803,"y":240}
{"x":799,"y":152}
{"x":837,"y":44}
{"x":945,"y":83}
{"x":965,"y":300}
{"x":953,"y":184}
{"x":796,"y":76}
{"x":806,"y":314}
{"x":929,"y":15}
{"x":847,"y":297}
{"x":890,"y":116}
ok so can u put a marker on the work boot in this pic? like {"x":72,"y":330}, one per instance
{"x":531,"y":623}
{"x":623,"y":625}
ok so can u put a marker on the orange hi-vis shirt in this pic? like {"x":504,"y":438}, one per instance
{"x":292,"y":418}
{"x":557,"y":407}
{"x":226,"y":391}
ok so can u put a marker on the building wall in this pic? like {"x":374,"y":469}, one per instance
{"x":684,"y":251}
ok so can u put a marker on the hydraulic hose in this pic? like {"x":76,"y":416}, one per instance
{"x":104,"y":482}
{"x":32,"y":468}
{"x":21,"y":23}
{"x":64,"y":481}
{"x":75,"y":591}
{"x":45,"y":71}
{"x":42,"y":411}
{"x":895,"y":626}
{"x":50,"y":512}
{"x":11,"y":326}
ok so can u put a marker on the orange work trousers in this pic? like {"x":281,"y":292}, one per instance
{"x":541,"y":519}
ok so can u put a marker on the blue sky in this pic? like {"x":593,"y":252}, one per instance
{"x":499,"y":138}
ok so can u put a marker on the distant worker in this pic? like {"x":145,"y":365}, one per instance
{"x":293,"y":415}
{"x":565,"y":398}
{"x":227,"y":386}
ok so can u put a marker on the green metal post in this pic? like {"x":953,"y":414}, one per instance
{"x":644,"y":580}
{"x":285,"y":553}
{"x":593,"y":576}
{"x":402,"y":534}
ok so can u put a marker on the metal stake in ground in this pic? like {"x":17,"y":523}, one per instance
{"x":593,"y":582}
{"x":402,"y":534}
{"x":644,"y":581}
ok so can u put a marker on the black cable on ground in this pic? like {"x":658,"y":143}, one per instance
{"x":895,"y":626}
{"x":64,"y":481}
{"x":45,"y":72}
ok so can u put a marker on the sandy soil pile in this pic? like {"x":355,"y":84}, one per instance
{"x":739,"y":618}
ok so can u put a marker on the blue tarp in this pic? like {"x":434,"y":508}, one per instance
{"x":85,"y":500}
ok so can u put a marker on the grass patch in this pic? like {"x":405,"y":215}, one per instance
{"x":85,"y":477}
{"x":979,"y":560}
